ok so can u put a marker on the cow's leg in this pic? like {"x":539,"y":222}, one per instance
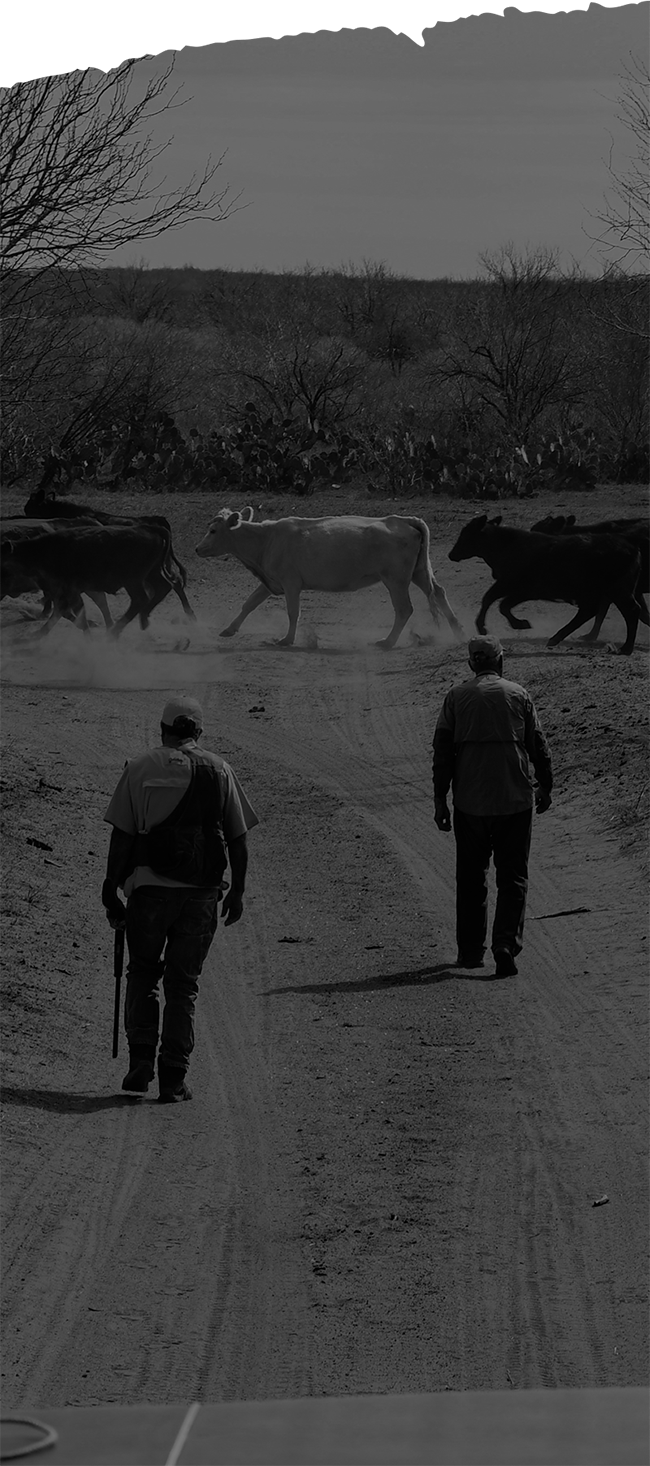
{"x":178,"y":576}
{"x":292,"y":597}
{"x":180,"y":592}
{"x":436,"y":597}
{"x":403,"y":608}
{"x":139,"y":606}
{"x":156,"y":588}
{"x":505,"y":608}
{"x":78,"y":614}
{"x":629,"y":610}
{"x":493,"y":594}
{"x":102,"y":606}
{"x":259,"y":595}
{"x":582,"y":614}
{"x":595,"y":630}
{"x":167,"y":577}
{"x":160,"y":586}
{"x":58,"y":610}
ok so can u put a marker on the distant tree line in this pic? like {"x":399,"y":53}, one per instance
{"x":186,"y":379}
{"x":259,"y":381}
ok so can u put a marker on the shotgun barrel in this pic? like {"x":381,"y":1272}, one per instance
{"x":118,"y":964}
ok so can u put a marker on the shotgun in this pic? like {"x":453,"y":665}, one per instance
{"x":118,"y":964}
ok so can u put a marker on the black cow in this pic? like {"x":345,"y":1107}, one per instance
{"x":174,"y":578}
{"x":566,"y":524}
{"x":14,"y":582}
{"x":87,"y":559}
{"x":637,"y":531}
{"x":583,"y":570}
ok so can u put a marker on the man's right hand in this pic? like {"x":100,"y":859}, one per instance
{"x":442,"y":816}
{"x":542,"y":801}
{"x":116,"y":918}
{"x":115,"y":909}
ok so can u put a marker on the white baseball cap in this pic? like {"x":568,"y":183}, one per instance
{"x":182,"y":707}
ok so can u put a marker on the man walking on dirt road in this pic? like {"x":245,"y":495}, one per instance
{"x":487,"y":736}
{"x":179,"y":816}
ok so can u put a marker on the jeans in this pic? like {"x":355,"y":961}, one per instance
{"x":185,"y":920}
{"x":506,"y":837}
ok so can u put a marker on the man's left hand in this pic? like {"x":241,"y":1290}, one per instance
{"x":233,"y":905}
{"x":442,"y":816}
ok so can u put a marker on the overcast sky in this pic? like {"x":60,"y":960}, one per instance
{"x":362,"y":145}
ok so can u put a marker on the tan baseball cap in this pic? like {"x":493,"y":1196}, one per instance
{"x":484,"y":649}
{"x":182,"y":707}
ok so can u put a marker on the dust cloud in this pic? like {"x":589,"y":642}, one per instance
{"x":175,"y":651}
{"x":172,"y":652}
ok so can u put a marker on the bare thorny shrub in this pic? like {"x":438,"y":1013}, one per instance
{"x":80,"y":175}
{"x":507,"y":347}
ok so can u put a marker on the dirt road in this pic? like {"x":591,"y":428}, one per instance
{"x":386,"y":1180}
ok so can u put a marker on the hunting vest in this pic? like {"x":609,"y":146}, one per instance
{"x":189,"y":845}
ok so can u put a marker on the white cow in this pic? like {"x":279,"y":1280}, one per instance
{"x":339,"y":554}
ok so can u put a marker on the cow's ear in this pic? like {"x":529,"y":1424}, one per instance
{"x":569,"y":521}
{"x":247,"y":514}
{"x":480,"y":521}
{"x":497,"y":519}
{"x":233,"y":519}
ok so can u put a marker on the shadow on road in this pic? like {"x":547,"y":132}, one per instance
{"x":423,"y":976}
{"x":62,"y":1102}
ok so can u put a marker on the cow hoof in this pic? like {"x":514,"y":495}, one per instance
{"x":386,"y":645}
{"x":229,"y":631}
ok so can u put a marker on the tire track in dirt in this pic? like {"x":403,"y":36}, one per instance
{"x":113,"y":1293}
{"x":503,"y":1264}
{"x":62,"y":1248}
{"x":251,"y":1347}
{"x":567,"y":1303}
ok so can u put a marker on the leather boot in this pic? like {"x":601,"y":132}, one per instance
{"x":142,"y":1067}
{"x":172,"y":1084}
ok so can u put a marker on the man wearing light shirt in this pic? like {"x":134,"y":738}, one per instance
{"x":179,"y":816}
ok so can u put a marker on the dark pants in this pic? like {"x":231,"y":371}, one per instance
{"x":186,"y":920}
{"x":506,"y":837}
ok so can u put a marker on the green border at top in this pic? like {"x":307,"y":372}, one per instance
{"x":47,"y":37}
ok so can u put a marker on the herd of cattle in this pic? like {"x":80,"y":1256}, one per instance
{"x":66,"y":551}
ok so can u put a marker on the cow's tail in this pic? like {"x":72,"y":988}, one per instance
{"x":423,"y":563}
{"x":176,"y":576}
{"x":181,"y":568}
{"x":424,"y":577}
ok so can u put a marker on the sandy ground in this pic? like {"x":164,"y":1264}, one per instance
{"x":387,"y":1178}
